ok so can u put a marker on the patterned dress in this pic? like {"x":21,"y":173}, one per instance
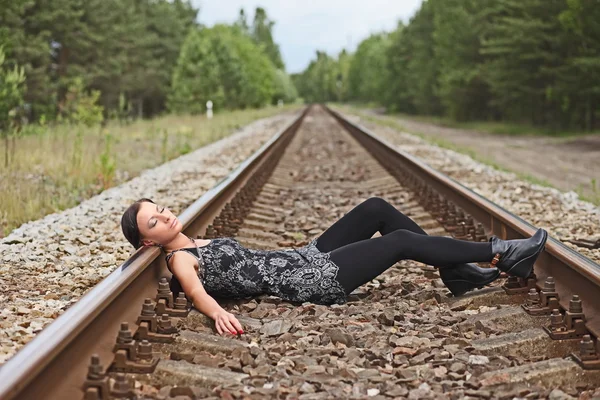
{"x":229,"y":270}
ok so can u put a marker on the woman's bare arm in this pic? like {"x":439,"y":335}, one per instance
{"x":183,"y":269}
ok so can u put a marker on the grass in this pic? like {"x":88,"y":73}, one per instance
{"x":58,"y":167}
{"x":592,"y":196}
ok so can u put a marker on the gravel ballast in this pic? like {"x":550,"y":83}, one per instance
{"x":49,"y":264}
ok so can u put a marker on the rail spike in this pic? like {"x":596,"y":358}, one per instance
{"x":131,"y":356}
{"x":153,"y":328}
{"x":548,"y":300}
{"x":166,"y":304}
{"x":516,"y":285}
{"x":122,"y":388}
{"x":572,"y":326}
{"x":96,"y":385}
{"x":588,"y":356}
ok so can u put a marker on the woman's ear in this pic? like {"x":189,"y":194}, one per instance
{"x":146,"y":242}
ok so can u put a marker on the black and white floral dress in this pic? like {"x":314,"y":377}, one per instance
{"x":229,"y":270}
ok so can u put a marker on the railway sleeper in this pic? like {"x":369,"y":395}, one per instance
{"x":440,"y":217}
{"x":507,"y":319}
{"x":555,"y":372}
{"x":490,"y":296}
{"x":528,"y":343}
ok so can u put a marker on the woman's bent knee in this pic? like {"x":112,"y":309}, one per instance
{"x":374,"y":205}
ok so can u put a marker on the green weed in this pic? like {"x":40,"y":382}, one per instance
{"x":45,"y":176}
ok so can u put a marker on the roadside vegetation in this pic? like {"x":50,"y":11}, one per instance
{"x":93,"y":92}
{"x":498,"y":65}
{"x":58,"y":167}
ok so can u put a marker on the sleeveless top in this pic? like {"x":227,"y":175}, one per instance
{"x":229,"y":270}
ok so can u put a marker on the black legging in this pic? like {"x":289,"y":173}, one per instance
{"x":361,"y":258}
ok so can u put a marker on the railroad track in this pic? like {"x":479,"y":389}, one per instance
{"x":401,"y":335}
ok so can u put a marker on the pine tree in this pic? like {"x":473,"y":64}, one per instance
{"x":579,"y":81}
{"x":524,"y":50}
{"x":262,"y":28}
{"x":458,"y":26}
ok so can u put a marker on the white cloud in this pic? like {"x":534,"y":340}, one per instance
{"x":304,"y":26}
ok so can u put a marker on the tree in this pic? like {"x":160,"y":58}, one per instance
{"x":525,"y":49}
{"x":367,"y":76}
{"x":225,"y":66}
{"x":318,"y":83}
{"x":284,"y":88}
{"x":462,"y":89}
{"x":242,"y":22}
{"x":124,"y":49}
{"x":262,"y":28}
{"x":397,"y":96}
{"x":344,"y":62}
{"x":579,"y":83}
{"x":11,"y":96}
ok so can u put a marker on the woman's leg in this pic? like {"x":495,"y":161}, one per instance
{"x":360,"y":223}
{"x":364,"y":260}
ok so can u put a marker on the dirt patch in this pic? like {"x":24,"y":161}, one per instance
{"x":565,"y":163}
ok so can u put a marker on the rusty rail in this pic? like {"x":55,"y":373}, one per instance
{"x":573,"y":273}
{"x":54,"y":364}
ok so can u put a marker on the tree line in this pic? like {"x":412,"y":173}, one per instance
{"x":235,"y":66}
{"x":535,"y":62}
{"x":134,"y":58}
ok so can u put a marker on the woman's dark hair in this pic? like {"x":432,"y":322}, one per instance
{"x":129,"y":224}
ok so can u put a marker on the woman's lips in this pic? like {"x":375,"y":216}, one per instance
{"x":173,"y":223}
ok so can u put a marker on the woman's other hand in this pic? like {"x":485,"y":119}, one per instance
{"x":227,"y":322}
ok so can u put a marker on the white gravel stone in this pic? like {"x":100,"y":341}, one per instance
{"x":48,"y":264}
{"x":478,"y":360}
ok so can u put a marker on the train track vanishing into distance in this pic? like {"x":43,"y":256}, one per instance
{"x":399,"y":336}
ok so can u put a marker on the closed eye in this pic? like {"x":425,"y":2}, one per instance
{"x":156,"y":221}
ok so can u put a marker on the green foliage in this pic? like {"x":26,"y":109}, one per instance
{"x":462,"y":87}
{"x":79,"y":107}
{"x":223,"y":65}
{"x":322,"y":81}
{"x":108,"y":164}
{"x":367,"y":75}
{"x":284,"y":88}
{"x":421,"y":73}
{"x":130,"y":56}
{"x":11,"y":97}
{"x":11,"y":90}
{"x":524,"y":51}
{"x":262,"y":28}
{"x":118,"y":47}
{"x":530,"y":63}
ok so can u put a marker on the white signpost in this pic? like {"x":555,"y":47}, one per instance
{"x":209,"y":112}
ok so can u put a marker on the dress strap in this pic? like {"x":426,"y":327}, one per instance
{"x":198,"y":257}
{"x":168,"y":257}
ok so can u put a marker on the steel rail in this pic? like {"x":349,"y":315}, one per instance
{"x":54,"y":364}
{"x":573,"y":272}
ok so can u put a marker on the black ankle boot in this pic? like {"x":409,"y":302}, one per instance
{"x":516,"y":257}
{"x":460,"y":278}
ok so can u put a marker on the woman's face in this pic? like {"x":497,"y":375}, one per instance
{"x":157,"y":224}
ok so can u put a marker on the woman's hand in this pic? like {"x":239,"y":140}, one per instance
{"x":226,"y":322}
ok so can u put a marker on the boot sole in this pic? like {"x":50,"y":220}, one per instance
{"x":464,"y":286}
{"x":528,"y":259}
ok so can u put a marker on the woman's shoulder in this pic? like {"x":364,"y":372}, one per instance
{"x":183,"y":255}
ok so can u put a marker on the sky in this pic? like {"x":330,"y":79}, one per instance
{"x":302,"y":27}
